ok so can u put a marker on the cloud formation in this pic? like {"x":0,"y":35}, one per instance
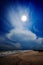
{"x":21,"y":35}
{"x":23,"y":38}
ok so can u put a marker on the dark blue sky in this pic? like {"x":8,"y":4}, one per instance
{"x":15,"y":34}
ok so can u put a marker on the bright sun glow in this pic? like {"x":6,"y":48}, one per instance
{"x":24,"y":18}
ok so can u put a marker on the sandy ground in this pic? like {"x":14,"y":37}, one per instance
{"x":23,"y":58}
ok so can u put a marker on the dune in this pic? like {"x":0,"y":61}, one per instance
{"x":23,"y":58}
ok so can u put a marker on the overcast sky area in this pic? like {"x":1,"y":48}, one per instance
{"x":16,"y":33}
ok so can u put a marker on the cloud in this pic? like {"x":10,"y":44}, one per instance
{"x":20,"y":32}
{"x":18,"y":46}
{"x":22,"y":35}
{"x":24,"y":38}
{"x":20,"y":39}
{"x":39,"y":40}
{"x":7,"y":44}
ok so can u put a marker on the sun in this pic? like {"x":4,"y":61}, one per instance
{"x":23,"y":18}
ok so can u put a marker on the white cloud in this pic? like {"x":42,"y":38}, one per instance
{"x":19,"y":32}
{"x":15,"y":19}
{"x":24,"y":35}
{"x":8,"y":44}
{"x":39,"y":40}
{"x":21,"y":35}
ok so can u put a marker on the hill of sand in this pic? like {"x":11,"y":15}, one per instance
{"x":23,"y":58}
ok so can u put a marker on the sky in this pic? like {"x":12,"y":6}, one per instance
{"x":16,"y":34}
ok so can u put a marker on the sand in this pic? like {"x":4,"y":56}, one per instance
{"x":23,"y":58}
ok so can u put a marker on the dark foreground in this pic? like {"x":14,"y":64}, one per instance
{"x":23,"y":58}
